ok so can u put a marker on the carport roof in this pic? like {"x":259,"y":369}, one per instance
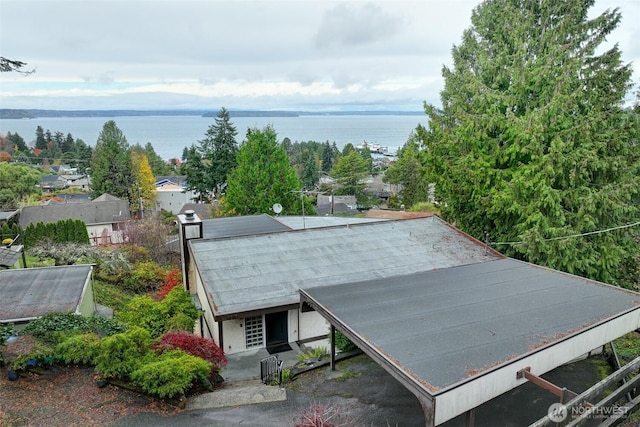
{"x":440,"y":331}
{"x":27,"y":293}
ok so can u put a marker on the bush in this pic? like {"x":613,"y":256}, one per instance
{"x":145,"y":276}
{"x":79,"y":349}
{"x":318,"y":416}
{"x":45,"y":327}
{"x":175,"y":311}
{"x":170,"y":373}
{"x":121,"y":354}
{"x":343,"y":343}
{"x":316,"y":353}
{"x":143,"y":311}
{"x":172,"y":280}
{"x":194,"y":345}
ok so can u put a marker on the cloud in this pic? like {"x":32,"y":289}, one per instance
{"x":356,"y":25}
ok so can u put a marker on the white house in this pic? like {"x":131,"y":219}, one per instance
{"x":247,"y":276}
{"x":454,"y":321}
{"x":172,"y":193}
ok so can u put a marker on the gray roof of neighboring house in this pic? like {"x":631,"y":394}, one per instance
{"x":7,"y":215}
{"x":31,"y":292}
{"x":203,"y":210}
{"x":106,"y":197}
{"x":256,"y":272}
{"x":9,"y":256}
{"x":450,"y":325}
{"x":241,"y":226}
{"x":91,"y":213}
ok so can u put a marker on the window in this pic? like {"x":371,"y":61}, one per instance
{"x":253,"y":331}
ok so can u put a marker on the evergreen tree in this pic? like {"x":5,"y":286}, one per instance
{"x":219,"y":150}
{"x":82,"y":153}
{"x":407,"y":173}
{"x":19,"y":145}
{"x":532,"y":143}
{"x":111,"y":163}
{"x":194,"y":170}
{"x":41,"y":140}
{"x":262,"y":177}
{"x":349,"y":172}
{"x":327,"y":157}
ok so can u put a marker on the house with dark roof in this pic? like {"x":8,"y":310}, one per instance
{"x":454,"y":321}
{"x":28,"y":293}
{"x":105,"y":217}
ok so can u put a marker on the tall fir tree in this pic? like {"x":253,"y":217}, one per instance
{"x":111,"y":163}
{"x":532,"y":144}
{"x":262,"y":177}
{"x":219,"y":150}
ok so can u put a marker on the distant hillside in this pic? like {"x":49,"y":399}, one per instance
{"x":33,"y":114}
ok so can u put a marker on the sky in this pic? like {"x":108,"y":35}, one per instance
{"x":261,"y":55}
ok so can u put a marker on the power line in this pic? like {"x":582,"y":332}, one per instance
{"x":606,"y":230}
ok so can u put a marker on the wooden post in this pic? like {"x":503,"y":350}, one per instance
{"x":470,"y":418}
{"x":333,"y":348}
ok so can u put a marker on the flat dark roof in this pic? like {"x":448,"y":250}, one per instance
{"x":235,"y":226}
{"x":444,"y":328}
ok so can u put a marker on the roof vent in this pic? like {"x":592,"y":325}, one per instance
{"x":189,"y":214}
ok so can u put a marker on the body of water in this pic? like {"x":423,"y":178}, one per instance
{"x":170,"y":134}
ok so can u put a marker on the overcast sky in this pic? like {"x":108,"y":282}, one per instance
{"x":296,"y":54}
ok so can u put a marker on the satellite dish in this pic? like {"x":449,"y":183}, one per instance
{"x":277,"y":208}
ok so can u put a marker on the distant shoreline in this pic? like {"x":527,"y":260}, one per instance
{"x":35,"y":114}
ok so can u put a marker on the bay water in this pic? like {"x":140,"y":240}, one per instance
{"x":169,"y":135}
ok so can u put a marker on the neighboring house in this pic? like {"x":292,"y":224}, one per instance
{"x":49,"y":183}
{"x":330,"y":205}
{"x":77,"y":181}
{"x":454,"y":321}
{"x":105,"y":217}
{"x":28,"y":293}
{"x":172,"y":194}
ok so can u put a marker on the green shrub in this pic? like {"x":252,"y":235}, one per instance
{"x":46,"y":326}
{"x":316,"y":353}
{"x":121,"y":354}
{"x":175,"y":311}
{"x":343,"y":343}
{"x":41,"y":354}
{"x":145,"y":276}
{"x":79,"y":349}
{"x":6,"y":332}
{"x":145,"y":312}
{"x":179,"y":322}
{"x":170,"y":373}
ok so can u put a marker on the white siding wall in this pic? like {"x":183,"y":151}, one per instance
{"x":173,"y":200}
{"x":233,"y":335}
{"x":313,"y":325}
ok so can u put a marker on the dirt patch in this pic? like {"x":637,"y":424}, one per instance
{"x":68,"y":396}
